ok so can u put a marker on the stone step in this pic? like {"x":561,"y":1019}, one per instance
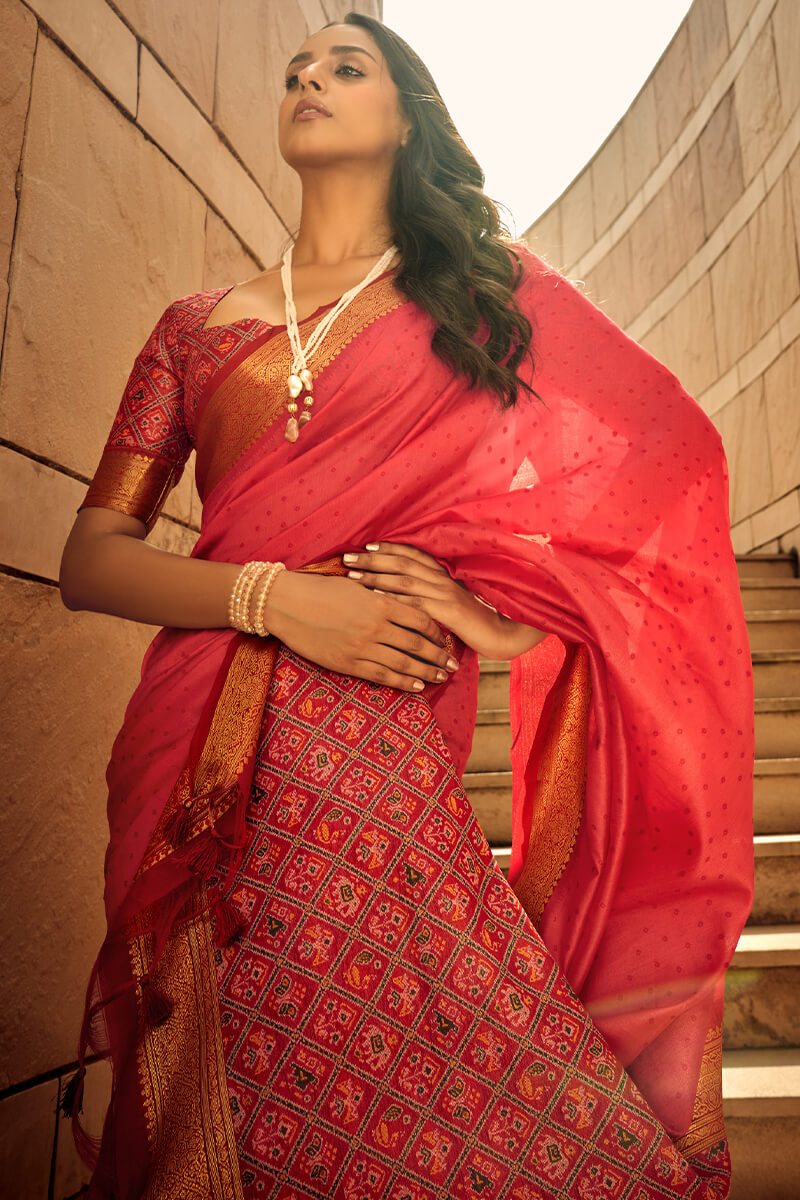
{"x":775,"y":673}
{"x":776,"y":796}
{"x":493,"y":684}
{"x":777,"y":878}
{"x":502,"y":856}
{"x":766,"y":1165}
{"x":491,"y":742}
{"x":489,"y":794}
{"x":766,"y":566}
{"x":770,"y":594}
{"x":777,"y":725}
{"x":761,"y":1009}
{"x":761,"y":1103}
{"x":761,"y":1083}
{"x":774,"y":629}
{"x":768,"y":946}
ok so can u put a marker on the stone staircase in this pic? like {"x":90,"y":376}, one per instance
{"x":761,"y":1032}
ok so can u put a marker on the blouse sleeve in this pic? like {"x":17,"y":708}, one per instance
{"x":149,"y":444}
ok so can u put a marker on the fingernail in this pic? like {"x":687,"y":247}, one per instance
{"x":348,"y":558}
{"x":441,"y":676}
{"x":355,"y":574}
{"x":452,"y":664}
{"x":418,"y":685}
{"x":372,"y":546}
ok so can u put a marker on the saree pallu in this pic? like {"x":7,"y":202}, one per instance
{"x":389,"y":1017}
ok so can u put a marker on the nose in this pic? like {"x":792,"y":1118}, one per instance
{"x":309,"y":76}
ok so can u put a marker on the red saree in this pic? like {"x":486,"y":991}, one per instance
{"x":315,"y":981}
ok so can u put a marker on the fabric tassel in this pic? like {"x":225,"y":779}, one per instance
{"x":72,"y":1100}
{"x":176,"y":829}
{"x":229,"y":922}
{"x":157,"y":1007}
{"x":202,"y":858}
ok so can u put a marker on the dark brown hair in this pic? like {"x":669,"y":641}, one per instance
{"x":457,"y":262}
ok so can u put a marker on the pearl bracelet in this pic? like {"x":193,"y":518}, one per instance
{"x":272,"y":575}
{"x":239,"y":603}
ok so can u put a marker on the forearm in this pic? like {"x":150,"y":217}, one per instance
{"x":116,"y":573}
{"x":518,"y":638}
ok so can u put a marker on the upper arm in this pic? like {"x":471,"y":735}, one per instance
{"x":96,"y":522}
{"x":91,"y":525}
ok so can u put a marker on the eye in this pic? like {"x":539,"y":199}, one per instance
{"x":290,"y":81}
{"x":348,"y":69}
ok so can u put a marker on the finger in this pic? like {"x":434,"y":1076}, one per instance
{"x":408,"y":613}
{"x":409,"y":665}
{"x":407,"y":584}
{"x":418,"y":646}
{"x":399,"y":548}
{"x":395,"y":560}
{"x":375,"y":672}
{"x":393,"y":566}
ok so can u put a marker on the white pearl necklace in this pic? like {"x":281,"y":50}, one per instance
{"x":301,"y":379}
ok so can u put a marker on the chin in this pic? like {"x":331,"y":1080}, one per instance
{"x":304,"y":148}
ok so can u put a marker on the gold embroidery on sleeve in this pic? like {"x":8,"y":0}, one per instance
{"x":132,"y":483}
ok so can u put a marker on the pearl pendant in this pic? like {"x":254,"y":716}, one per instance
{"x":295,"y":386}
{"x":304,"y":416}
{"x":307,"y":379}
{"x":292,"y":429}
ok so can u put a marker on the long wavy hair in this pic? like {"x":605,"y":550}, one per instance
{"x":457,"y":261}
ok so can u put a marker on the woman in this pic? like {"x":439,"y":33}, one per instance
{"x":315,"y":980}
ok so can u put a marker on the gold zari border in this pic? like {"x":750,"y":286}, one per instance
{"x":190,"y":1135}
{"x":132,"y":483}
{"x":232,"y":735}
{"x":255,"y":394}
{"x":559,"y":789}
{"x":707,"y":1127}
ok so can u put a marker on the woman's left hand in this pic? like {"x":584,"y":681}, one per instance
{"x":418,"y":579}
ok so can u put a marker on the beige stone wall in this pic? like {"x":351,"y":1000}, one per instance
{"x":685,"y":228}
{"x":137,"y":163}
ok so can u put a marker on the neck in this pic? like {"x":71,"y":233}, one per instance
{"x":344,"y":215}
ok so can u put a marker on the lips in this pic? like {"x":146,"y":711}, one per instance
{"x":310,"y":110}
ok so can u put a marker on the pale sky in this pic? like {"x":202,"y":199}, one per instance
{"x":536,"y":86}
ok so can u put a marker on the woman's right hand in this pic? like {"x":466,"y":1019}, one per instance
{"x":339,"y":624}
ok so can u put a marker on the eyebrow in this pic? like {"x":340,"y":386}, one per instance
{"x":306,"y":55}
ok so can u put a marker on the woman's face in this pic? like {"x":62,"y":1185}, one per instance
{"x":341,"y":103}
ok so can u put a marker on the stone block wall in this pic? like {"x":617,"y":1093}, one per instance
{"x":138,"y":162}
{"x":685,"y":228}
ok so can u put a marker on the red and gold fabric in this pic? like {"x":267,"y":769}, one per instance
{"x":388,"y":1016}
